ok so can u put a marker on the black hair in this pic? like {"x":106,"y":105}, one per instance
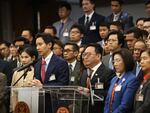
{"x":51,"y":27}
{"x":119,"y":1}
{"x":65,"y":4}
{"x":79,"y":27}
{"x":147,"y":2}
{"x":46,"y":37}
{"x":127,"y":58}
{"x":74,"y":46}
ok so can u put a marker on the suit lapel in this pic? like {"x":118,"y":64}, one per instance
{"x":50,"y":67}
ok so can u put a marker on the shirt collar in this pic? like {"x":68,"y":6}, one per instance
{"x":90,"y":15}
{"x":48,"y":58}
{"x":73,"y":64}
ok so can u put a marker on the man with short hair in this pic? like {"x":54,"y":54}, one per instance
{"x":91,"y":21}
{"x":96,"y":74}
{"x":119,"y":15}
{"x":76,"y":34}
{"x":70,"y":54}
{"x":64,"y":24}
{"x":146,"y":25}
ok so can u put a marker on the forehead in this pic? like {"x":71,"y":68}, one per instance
{"x":25,"y":32}
{"x":116,"y":3}
{"x":103,"y":27}
{"x":139,"y":43}
{"x":75,"y":29}
{"x":130,"y":36}
{"x":113,"y":36}
{"x":117,"y":56}
{"x":86,"y":1}
{"x":68,"y":46}
{"x":40,"y":40}
{"x":90,"y":49}
{"x":145,"y":54}
{"x":63,"y":8}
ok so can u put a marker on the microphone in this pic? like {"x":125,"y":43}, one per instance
{"x":27,"y":65}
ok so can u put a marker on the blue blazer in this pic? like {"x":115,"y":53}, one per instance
{"x":92,"y":36}
{"x":125,"y":18}
{"x":57,"y":72}
{"x":123,"y":99}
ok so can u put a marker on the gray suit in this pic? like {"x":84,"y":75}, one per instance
{"x":76,"y":73}
{"x":66,"y":27}
{"x":105,"y":60}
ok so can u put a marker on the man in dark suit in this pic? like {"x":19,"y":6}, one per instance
{"x":50,"y":69}
{"x":91,"y":21}
{"x":118,"y":15}
{"x":100,"y":77}
{"x":70,"y":54}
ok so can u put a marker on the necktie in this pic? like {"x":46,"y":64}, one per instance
{"x":112,"y":95}
{"x":43,"y":69}
{"x":88,"y":81}
{"x":70,"y":69}
{"x":110,"y":63}
{"x":61,"y":28}
{"x":87,"y":23}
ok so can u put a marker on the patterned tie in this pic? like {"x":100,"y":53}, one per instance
{"x":88,"y":81}
{"x":70,"y":69}
{"x":43,"y":69}
{"x":112,"y":95}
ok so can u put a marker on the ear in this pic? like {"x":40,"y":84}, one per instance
{"x":76,"y":53}
{"x":49,"y":45}
{"x":33,"y":58}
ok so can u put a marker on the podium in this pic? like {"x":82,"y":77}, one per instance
{"x":50,"y":99}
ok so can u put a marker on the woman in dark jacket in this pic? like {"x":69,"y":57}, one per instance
{"x":142,"y":99}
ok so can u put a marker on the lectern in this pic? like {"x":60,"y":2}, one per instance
{"x":63,"y":99}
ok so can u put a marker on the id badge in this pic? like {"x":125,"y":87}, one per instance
{"x":139,"y":97}
{"x":99,"y":86}
{"x":65,"y":34}
{"x":72,"y":79}
{"x":93,"y":27}
{"x":118,"y":88}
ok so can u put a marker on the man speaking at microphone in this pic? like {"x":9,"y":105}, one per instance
{"x":50,"y":70}
{"x":96,"y":77}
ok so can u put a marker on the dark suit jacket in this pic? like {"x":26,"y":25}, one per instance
{"x":125,"y":18}
{"x":6,"y":69}
{"x":76,"y":73}
{"x":58,"y":68}
{"x":92,"y":36}
{"x":123,"y":99}
{"x":105,"y":75}
{"x":143,"y":106}
{"x":3,"y":83}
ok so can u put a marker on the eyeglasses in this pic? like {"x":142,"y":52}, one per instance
{"x":87,"y":54}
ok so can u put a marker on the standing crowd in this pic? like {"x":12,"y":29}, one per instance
{"x":109,"y":54}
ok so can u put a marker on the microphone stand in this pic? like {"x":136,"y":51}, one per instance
{"x":92,"y":93}
{"x":23,"y":75}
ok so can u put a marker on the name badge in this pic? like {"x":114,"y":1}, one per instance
{"x":52,"y":77}
{"x":118,"y":88}
{"x":72,"y":79}
{"x":93,"y":27}
{"x":99,"y":86}
{"x":139,"y":97}
{"x":65,"y":34}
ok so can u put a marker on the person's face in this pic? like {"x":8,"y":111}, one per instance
{"x":80,"y":52}
{"x":13,"y":50}
{"x":146,"y":26}
{"x":148,"y":43}
{"x":90,"y":58}
{"x":145,"y":61}
{"x":87,"y":6}
{"x":4,"y":50}
{"x":25,"y":58}
{"x":113,"y":28}
{"x":113,"y":42}
{"x":26,"y":35}
{"x":43,"y":48}
{"x":106,"y":47}
{"x":19,"y":44}
{"x":75,"y":35}
{"x":69,"y":54}
{"x":63,"y":12}
{"x":103,"y":31}
{"x":115,"y":7}
{"x":130,"y":39}
{"x":57,"y":50}
{"x":138,"y":48}
{"x":148,"y":9}
{"x":118,"y":64}
{"x":49,"y":31}
{"x":140,"y":24}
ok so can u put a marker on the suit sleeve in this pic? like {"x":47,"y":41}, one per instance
{"x":144,"y":108}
